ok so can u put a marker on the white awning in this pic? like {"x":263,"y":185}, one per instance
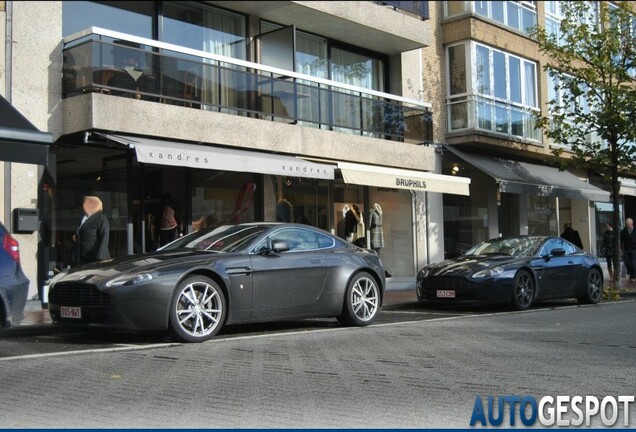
{"x":628,"y":187}
{"x":208,"y":157}
{"x":394,"y":178}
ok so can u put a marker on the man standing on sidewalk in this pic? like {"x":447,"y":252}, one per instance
{"x":628,"y":245}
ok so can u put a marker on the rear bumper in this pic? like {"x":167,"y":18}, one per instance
{"x":14,"y":295}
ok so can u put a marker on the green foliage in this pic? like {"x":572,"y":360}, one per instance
{"x":592,"y":59}
{"x":594,"y":64}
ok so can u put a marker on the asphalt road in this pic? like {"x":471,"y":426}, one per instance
{"x":408,"y":373}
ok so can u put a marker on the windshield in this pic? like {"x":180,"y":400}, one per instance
{"x":227,"y":238}
{"x":520,"y":246}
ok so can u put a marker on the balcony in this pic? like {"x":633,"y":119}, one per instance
{"x":469,"y":113}
{"x":116,"y":64}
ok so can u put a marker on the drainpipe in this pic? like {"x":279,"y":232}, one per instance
{"x":8,"y":87}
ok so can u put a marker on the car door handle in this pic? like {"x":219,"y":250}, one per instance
{"x":317,"y":261}
{"x":570,"y":262}
{"x":239,"y":271}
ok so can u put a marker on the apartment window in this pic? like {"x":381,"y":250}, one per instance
{"x":134,"y":18}
{"x":204,"y":28}
{"x":501,"y":95}
{"x":519,"y":15}
{"x":555,"y":12}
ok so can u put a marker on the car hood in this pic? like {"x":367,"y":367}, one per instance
{"x":467,"y":265}
{"x":135,"y":264}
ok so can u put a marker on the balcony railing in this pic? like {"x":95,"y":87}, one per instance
{"x":419,"y":8}
{"x":474,"y":112}
{"x":98,"y":60}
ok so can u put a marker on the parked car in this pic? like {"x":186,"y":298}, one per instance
{"x":14,"y":285}
{"x":516,"y":271}
{"x":225,"y":275}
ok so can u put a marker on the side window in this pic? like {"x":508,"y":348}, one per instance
{"x":325,"y":242}
{"x":297,"y":239}
{"x":550,"y":245}
{"x":569,"y":249}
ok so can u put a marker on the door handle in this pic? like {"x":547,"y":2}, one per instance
{"x":570,"y":262}
{"x":239,"y":271}
{"x":317,"y":261}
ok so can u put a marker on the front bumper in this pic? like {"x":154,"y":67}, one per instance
{"x":137,"y":307}
{"x":488,"y":290}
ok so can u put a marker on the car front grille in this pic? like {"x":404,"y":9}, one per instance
{"x":459,"y":284}
{"x":78,"y":294}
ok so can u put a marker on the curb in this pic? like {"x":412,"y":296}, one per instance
{"x":20,"y":330}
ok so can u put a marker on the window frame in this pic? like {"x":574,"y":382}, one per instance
{"x":268,"y":240}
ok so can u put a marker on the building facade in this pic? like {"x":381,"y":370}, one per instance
{"x":411,"y":120}
{"x":308,"y":112}
{"x":494,"y":80}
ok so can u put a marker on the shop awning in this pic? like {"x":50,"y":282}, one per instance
{"x":174,"y":153}
{"x":394,"y":178}
{"x":628,"y":187}
{"x":20,"y":140}
{"x":526,"y":178}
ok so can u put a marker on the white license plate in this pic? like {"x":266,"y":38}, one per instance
{"x":71,"y":312}
{"x":445,"y":294}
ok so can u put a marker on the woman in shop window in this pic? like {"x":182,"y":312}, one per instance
{"x":169,"y":217}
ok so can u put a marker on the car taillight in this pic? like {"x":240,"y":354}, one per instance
{"x":12,"y":247}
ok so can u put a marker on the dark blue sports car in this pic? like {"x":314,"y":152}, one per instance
{"x":14,"y":285}
{"x":516,"y":271}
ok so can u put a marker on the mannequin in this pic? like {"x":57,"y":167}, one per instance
{"x":284,"y":211}
{"x":359,"y":227}
{"x":375,"y":226}
{"x":350,"y":224}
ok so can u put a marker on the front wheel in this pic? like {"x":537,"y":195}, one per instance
{"x":593,"y":288}
{"x":197,"y":310}
{"x":522,"y":290}
{"x":362,"y":300}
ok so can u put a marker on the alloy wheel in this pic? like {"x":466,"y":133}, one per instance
{"x":364,"y":298}
{"x":595,"y":285}
{"x":524,"y":290}
{"x":199,"y":309}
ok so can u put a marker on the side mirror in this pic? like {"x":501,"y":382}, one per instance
{"x":280,"y":246}
{"x":557,"y":252}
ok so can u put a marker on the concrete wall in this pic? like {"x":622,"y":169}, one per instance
{"x":36,"y":75}
{"x":104,"y":112}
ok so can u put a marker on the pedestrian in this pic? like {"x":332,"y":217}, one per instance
{"x":628,"y":246}
{"x":571,"y":235}
{"x":607,"y":248}
{"x":169,"y":217}
{"x":91,"y":238}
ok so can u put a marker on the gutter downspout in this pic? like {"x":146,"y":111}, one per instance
{"x":8,"y":87}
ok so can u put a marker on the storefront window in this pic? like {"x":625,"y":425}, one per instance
{"x":465,"y":217}
{"x":390,"y":228}
{"x":95,"y":171}
{"x":222,"y":197}
{"x":542,"y":216}
{"x":297,"y":200}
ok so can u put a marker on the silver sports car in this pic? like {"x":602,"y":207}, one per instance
{"x":225,"y":275}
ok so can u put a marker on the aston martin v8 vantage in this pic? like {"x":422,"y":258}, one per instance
{"x":225,"y":275}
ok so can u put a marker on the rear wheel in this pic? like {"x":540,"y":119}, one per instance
{"x":593,"y":288}
{"x":362,"y":301}
{"x":523,"y":290}
{"x":197,"y":310}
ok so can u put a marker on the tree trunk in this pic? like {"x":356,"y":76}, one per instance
{"x":616,"y":220}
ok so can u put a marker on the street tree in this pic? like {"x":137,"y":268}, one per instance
{"x":591,"y":61}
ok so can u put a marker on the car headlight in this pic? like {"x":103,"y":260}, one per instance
{"x":424,"y":273}
{"x":491,"y":272}
{"x":132,"y":279}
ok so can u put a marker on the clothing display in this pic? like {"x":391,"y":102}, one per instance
{"x":359,"y":231}
{"x":375,"y":227}
{"x":350,"y":225}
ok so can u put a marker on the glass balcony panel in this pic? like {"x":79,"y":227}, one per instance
{"x":155,"y":73}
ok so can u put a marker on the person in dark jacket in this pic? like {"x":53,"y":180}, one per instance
{"x":91,"y":238}
{"x":628,"y":245}
{"x":572,"y":235}
{"x":607,"y":248}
